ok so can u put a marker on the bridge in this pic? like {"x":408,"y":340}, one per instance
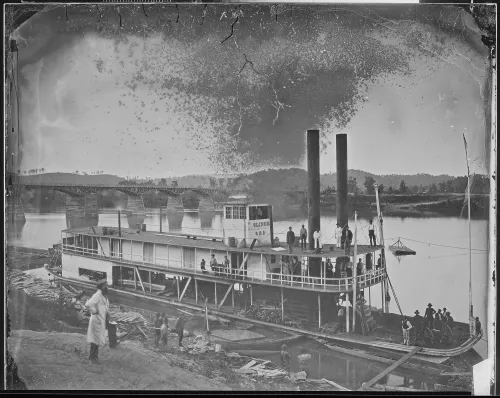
{"x":81,"y":199}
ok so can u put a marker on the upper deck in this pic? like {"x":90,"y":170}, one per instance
{"x":214,"y":243}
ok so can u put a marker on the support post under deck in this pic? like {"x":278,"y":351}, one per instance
{"x":319,"y":310}
{"x":196,"y":291}
{"x":282,"y":307}
{"x":251,"y":295}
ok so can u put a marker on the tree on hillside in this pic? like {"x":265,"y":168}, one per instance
{"x":433,"y":189}
{"x":390,"y":191}
{"x":212,"y":182}
{"x":352,"y":185}
{"x":402,"y":187}
{"x":42,"y":170}
{"x":77,"y":172}
{"x":450,"y":186}
{"x":370,"y":185}
{"x":174,"y":184}
{"x":163,"y":181}
{"x":221,"y":183}
{"x":442,"y":186}
{"x":381,"y":188}
{"x":461,"y":184}
{"x":414,"y":189}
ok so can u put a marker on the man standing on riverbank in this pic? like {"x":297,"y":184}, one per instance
{"x":290,"y":240}
{"x":179,"y":328}
{"x":158,"y":324}
{"x":98,"y":306}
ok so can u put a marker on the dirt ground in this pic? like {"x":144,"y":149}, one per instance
{"x":58,"y":361}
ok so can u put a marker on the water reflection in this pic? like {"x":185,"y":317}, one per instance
{"x":206,"y":219}
{"x":174,"y":220}
{"x":15,"y":229}
{"x":134,"y":220}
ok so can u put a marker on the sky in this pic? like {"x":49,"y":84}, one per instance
{"x":171,"y":92}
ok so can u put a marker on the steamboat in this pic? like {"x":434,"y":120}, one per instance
{"x":244,"y":266}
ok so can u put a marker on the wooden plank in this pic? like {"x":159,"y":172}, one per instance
{"x":341,"y":388}
{"x":248,"y":365}
{"x":225,"y":296}
{"x":390,"y":368}
{"x":140,"y":280}
{"x":396,"y":388}
{"x":185,"y":288}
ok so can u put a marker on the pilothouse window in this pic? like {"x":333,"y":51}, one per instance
{"x":235,"y":212}
{"x":259,"y":213}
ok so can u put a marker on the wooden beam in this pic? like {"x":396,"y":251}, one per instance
{"x":150,"y":282}
{"x":244,"y":261}
{"x":215,"y":293}
{"x":185,"y":288}
{"x":251,"y":295}
{"x":319,"y":310}
{"x":225,"y":296}
{"x":135,"y":281}
{"x":282,"y":307}
{"x":140,"y":279}
{"x":232,"y":298}
{"x":390,"y":368}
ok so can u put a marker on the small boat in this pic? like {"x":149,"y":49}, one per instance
{"x":398,"y":249}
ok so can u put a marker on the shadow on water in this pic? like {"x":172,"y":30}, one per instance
{"x":134,"y":219}
{"x":174,"y":220}
{"x":80,"y":222}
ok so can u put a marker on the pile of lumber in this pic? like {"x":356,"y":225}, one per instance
{"x":257,"y":367}
{"x":37,"y":287}
{"x":267,"y":313}
{"x":130,"y":324}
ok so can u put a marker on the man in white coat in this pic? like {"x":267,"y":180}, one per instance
{"x":318,"y":244}
{"x":338,"y":236}
{"x":98,"y":306}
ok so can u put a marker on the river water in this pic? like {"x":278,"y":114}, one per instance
{"x":437,"y":274}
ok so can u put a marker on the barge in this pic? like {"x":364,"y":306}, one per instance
{"x":310,"y":284}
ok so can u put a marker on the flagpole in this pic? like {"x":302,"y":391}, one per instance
{"x":471,"y":312}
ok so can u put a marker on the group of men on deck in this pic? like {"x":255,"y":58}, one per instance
{"x":432,"y":319}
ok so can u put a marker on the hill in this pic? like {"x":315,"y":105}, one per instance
{"x":276,"y":179}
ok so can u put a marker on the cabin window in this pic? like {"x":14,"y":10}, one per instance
{"x":235,"y":212}
{"x":92,"y":275}
{"x":259,"y":213}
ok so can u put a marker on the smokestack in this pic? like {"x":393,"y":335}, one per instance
{"x":313,"y":184}
{"x":341,"y":142}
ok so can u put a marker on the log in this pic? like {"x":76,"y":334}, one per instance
{"x":248,"y":365}
{"x":341,"y":388}
{"x":394,"y":388}
{"x":390,"y":368}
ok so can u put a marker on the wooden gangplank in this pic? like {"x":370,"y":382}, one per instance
{"x":389,"y":369}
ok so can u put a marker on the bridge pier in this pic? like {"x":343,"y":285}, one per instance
{"x":135,"y":206}
{"x":206,"y":218}
{"x":175,"y":204}
{"x":15,"y":210}
{"x":174,"y":219}
{"x":82,"y":206}
{"x":206,"y":204}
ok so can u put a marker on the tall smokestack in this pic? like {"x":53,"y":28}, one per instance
{"x":313,"y":186}
{"x":342,"y":217}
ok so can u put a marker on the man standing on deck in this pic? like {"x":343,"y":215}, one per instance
{"x":290,"y":240}
{"x":371,"y":233}
{"x":303,"y":238}
{"x":227,"y":266}
{"x":429,"y":316}
{"x":418,"y":321}
{"x":318,"y":245}
{"x":98,"y":306}
{"x":213,"y":264}
{"x":406,"y":326}
{"x":348,"y":240}
{"x":338,"y":236}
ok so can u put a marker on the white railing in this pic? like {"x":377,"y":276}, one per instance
{"x":274,"y":278}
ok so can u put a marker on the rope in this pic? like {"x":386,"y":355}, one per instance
{"x":436,"y":244}
{"x":393,"y":292}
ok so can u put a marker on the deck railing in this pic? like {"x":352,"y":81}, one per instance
{"x":301,"y":281}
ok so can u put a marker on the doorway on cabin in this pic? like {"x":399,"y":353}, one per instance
{"x":116,"y":248}
{"x":236,"y":260}
{"x":188,"y":257}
